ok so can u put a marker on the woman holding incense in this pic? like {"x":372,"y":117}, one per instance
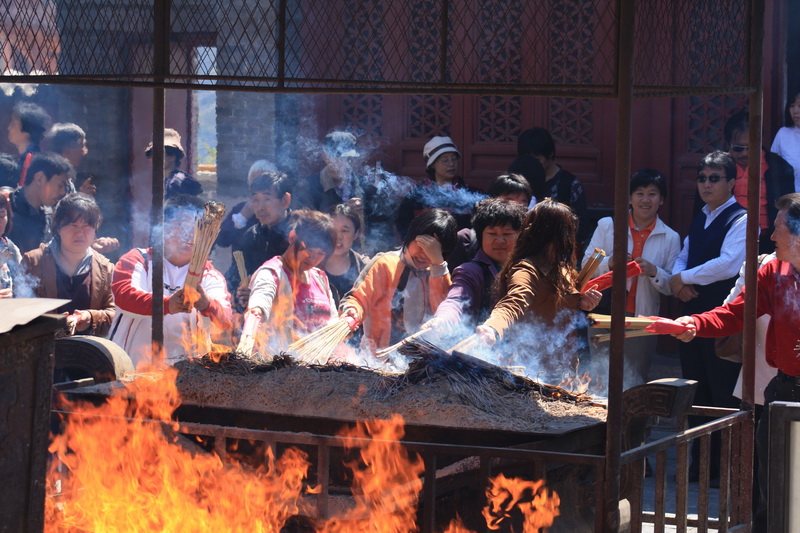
{"x":132,"y":285}
{"x":497,"y":224}
{"x":69,"y":268}
{"x":398,"y":291}
{"x":653,"y":245}
{"x":538,"y":300}
{"x":289,"y":293}
{"x":10,"y":257}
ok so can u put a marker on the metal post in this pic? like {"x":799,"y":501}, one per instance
{"x":753,"y":202}
{"x":161,"y":11}
{"x":625,"y":33}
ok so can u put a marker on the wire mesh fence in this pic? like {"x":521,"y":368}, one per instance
{"x":403,"y":46}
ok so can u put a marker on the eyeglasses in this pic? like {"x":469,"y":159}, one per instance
{"x":713,"y":178}
{"x":738,"y":148}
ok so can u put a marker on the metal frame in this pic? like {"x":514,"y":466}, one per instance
{"x":782,"y":443}
{"x":622,"y":89}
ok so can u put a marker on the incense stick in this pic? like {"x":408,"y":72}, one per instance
{"x":206,"y":229}
{"x":384,"y":352}
{"x":247,"y":341}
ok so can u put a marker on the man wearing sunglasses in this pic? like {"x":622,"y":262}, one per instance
{"x":703,"y":274}
{"x":777,"y":176}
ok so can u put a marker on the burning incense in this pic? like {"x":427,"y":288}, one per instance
{"x":605,"y":337}
{"x":206,"y":230}
{"x":385,"y":352}
{"x":603,"y":282}
{"x":238,"y":256}
{"x":247,"y":341}
{"x":589,"y":268}
{"x":317,"y":347}
{"x":467,"y":344}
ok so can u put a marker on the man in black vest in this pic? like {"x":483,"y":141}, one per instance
{"x":703,"y":275}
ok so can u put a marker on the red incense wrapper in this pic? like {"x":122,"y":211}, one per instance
{"x":603,"y":282}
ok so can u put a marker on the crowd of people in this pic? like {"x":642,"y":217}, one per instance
{"x":439,"y":257}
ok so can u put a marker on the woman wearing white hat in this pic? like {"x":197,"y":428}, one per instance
{"x":444,"y":188}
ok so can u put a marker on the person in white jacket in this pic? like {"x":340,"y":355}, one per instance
{"x":653,"y":245}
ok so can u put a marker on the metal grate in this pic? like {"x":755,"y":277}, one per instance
{"x":558,"y":48}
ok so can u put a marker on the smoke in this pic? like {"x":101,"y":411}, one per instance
{"x":27,"y":89}
{"x":24,"y":283}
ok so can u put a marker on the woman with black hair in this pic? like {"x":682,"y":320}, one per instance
{"x":27,"y":127}
{"x":537,"y":288}
{"x":344,"y":264}
{"x":69,"y":268}
{"x":399,"y":291}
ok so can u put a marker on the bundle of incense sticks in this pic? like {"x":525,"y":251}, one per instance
{"x":604,"y":321}
{"x":589,"y":268}
{"x":466,"y":345}
{"x":238,"y":256}
{"x":605,"y":337}
{"x":604,"y":281}
{"x":385,"y":352}
{"x":317,"y":347}
{"x":206,"y":229}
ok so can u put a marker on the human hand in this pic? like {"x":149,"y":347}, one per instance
{"x":243,"y":295}
{"x":648,"y":268}
{"x":676,"y":284}
{"x":177,"y":304}
{"x":105,"y":245}
{"x":351,"y":314}
{"x":690,"y":333}
{"x":87,"y":187}
{"x":6,"y":293}
{"x":434,"y":324}
{"x":486,"y":334}
{"x":590,"y":298}
{"x":687,"y":293}
{"x":432,"y":248}
{"x":200,"y":300}
{"x":612,"y":262}
{"x":247,"y":210}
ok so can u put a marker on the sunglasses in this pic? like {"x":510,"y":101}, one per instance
{"x":738,"y":148}
{"x":713,"y":178}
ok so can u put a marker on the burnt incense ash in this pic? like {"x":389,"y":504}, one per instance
{"x":438,"y":389}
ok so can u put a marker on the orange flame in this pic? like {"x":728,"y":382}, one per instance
{"x":538,"y":508}
{"x":577,"y":384}
{"x":118,"y":468}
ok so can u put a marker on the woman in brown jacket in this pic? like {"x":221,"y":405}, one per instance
{"x":538,"y":300}
{"x":68,"y":268}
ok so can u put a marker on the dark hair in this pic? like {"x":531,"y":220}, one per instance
{"x":532,"y":170}
{"x":536,"y":141}
{"x":49,"y":163}
{"x":182,"y":203}
{"x":314,"y":229}
{"x":550,"y":224}
{"x":437,"y":222}
{"x":76,"y":206}
{"x":791,"y":203}
{"x":270,"y":180}
{"x":721,"y":160}
{"x":645,"y":177}
{"x":510,"y":184}
{"x":738,"y":123}
{"x":787,"y":116}
{"x":9,"y":171}
{"x":349,"y":210}
{"x":5,"y":204}
{"x":64,"y":135}
{"x":496,"y":212}
{"x":33,"y":120}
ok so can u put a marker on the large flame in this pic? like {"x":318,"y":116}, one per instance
{"x":116,"y":467}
